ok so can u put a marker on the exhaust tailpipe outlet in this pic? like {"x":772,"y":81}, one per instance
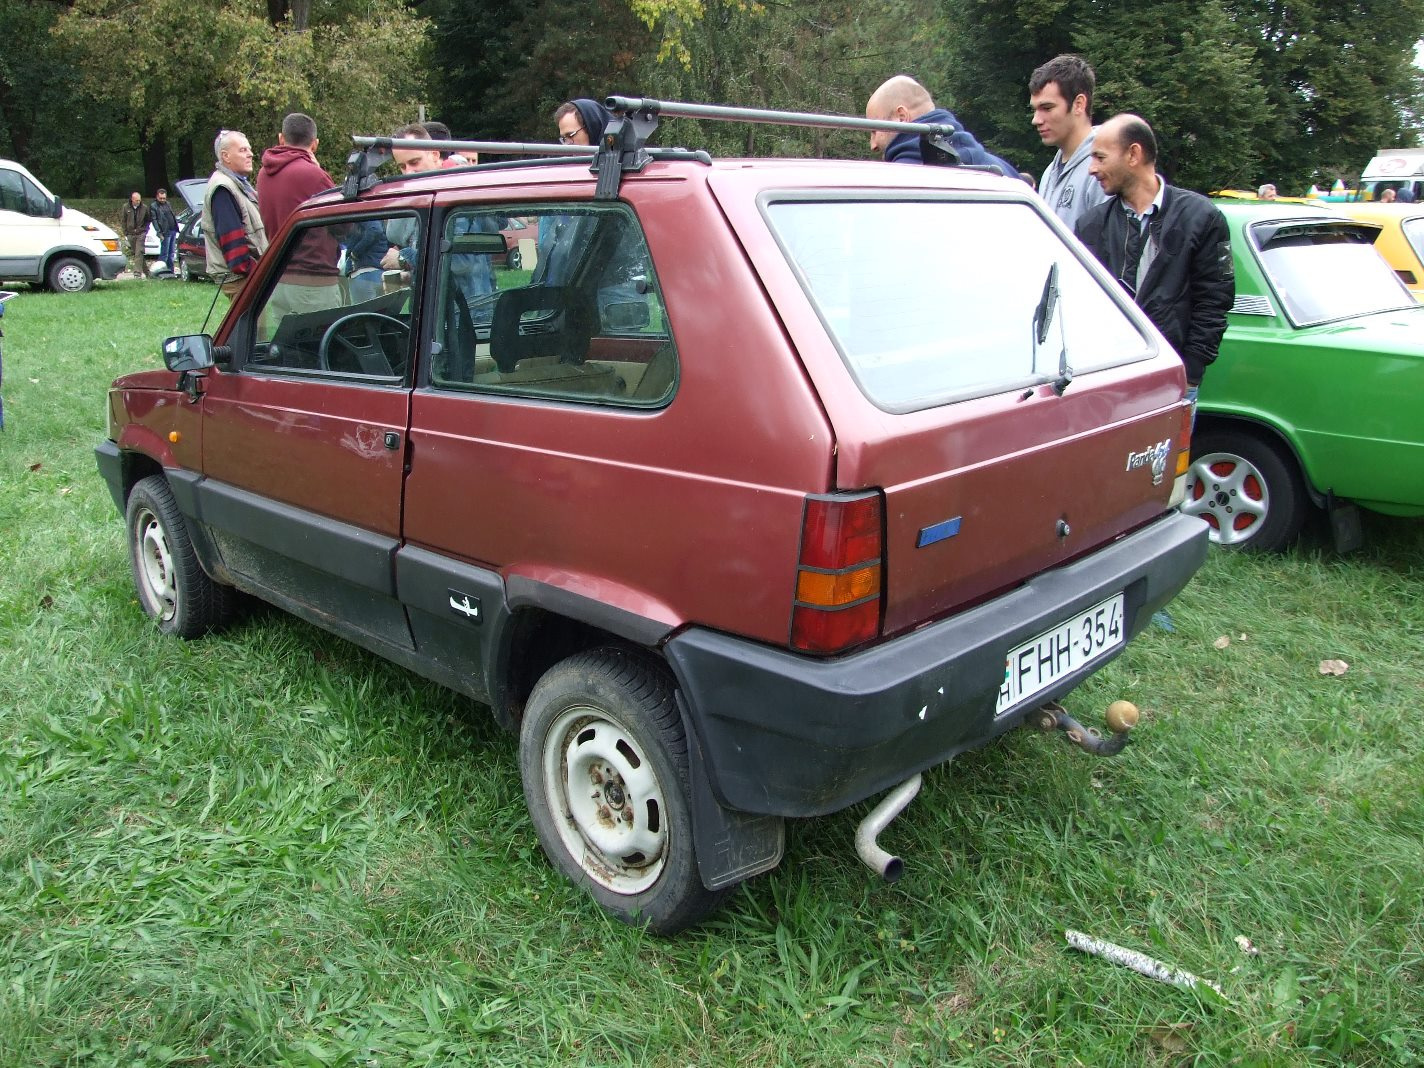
{"x":888,"y":867}
{"x":1122,"y":716}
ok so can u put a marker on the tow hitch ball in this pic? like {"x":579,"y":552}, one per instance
{"x":1121,"y":716}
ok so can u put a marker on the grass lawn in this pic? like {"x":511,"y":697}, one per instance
{"x":269,"y":847}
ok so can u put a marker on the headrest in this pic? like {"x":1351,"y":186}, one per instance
{"x":560,"y":323}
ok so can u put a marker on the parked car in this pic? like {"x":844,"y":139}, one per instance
{"x":1401,"y":238}
{"x":513,"y":232}
{"x":1314,"y":400}
{"x":47,"y":244}
{"x":718,"y":562}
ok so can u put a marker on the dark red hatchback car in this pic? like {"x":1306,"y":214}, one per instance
{"x":732,"y":513}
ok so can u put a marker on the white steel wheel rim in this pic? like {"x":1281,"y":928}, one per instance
{"x":155,"y":562}
{"x":1233,"y":501}
{"x":70,"y":278}
{"x":606,"y":802}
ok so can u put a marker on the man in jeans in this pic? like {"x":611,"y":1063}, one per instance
{"x":134,"y":223}
{"x":165,"y":225}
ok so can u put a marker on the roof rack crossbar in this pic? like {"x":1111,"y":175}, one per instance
{"x":493,"y":148}
{"x":934,"y":136}
{"x":683,"y":110}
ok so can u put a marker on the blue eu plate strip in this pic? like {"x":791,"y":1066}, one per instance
{"x":929,"y":535}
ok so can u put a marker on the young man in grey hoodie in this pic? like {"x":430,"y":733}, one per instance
{"x":1061,"y":100}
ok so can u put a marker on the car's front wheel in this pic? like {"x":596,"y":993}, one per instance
{"x":513,"y":260}
{"x":605,"y":768}
{"x":69,"y":275}
{"x":183,"y":271}
{"x":172,"y":586}
{"x":1249,"y":493}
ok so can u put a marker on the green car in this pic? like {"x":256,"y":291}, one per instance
{"x":1317,"y":397}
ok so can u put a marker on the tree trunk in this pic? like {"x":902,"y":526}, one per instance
{"x":186,"y":164}
{"x":155,"y":163}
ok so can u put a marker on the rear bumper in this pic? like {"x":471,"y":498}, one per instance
{"x":789,"y":735}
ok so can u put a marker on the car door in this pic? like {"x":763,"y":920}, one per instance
{"x":304,"y":440}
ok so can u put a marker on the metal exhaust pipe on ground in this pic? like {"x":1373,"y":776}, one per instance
{"x":888,"y":867}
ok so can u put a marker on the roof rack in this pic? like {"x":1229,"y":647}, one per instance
{"x":623,"y":148}
{"x":934,"y":136}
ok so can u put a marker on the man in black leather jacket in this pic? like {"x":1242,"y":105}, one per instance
{"x":1170,"y":248}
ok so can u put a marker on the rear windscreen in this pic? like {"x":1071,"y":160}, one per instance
{"x":931,"y":301}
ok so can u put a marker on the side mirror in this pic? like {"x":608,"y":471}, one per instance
{"x":57,"y":210}
{"x":189,"y":352}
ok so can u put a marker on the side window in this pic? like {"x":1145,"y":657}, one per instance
{"x":36,"y":203}
{"x":12,"y":192}
{"x":561,"y":304}
{"x":334,"y":309}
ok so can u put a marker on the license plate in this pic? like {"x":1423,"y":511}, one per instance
{"x":1037,"y":664}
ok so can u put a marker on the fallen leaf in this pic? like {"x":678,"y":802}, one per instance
{"x":34,"y":381}
{"x":1222,"y":642}
{"x":1245,"y":945}
{"x":64,"y":490}
{"x":1242,"y":638}
{"x":46,"y":601}
{"x":1333,"y":667}
{"x":35,"y":467}
{"x":1169,"y":1038}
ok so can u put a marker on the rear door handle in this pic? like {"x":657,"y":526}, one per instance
{"x":392,"y":440}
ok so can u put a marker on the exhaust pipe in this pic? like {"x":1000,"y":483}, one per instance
{"x":888,"y":867}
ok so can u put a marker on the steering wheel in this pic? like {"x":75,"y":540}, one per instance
{"x":366,"y":346}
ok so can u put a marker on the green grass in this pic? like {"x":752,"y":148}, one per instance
{"x":269,"y":847}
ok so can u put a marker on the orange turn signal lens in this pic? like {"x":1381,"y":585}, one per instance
{"x":817,"y":588}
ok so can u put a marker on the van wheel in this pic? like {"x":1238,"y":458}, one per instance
{"x":605,"y":770}
{"x":1250,"y":494}
{"x":172,"y":586}
{"x":68,"y":275}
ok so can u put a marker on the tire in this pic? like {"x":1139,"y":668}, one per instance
{"x":513,"y":260}
{"x":69,"y":275}
{"x":172,"y":586}
{"x":1248,"y":491}
{"x":183,"y":271}
{"x":605,"y":769}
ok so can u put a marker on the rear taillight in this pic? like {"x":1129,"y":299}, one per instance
{"x":839,"y":576}
{"x":1183,"y":446}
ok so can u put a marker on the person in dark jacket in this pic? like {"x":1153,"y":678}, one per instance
{"x":1170,"y":248}
{"x":903,"y":99}
{"x":134,"y":223}
{"x":165,"y":225}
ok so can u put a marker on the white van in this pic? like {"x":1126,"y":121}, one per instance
{"x":43,"y":242}
{"x":1397,"y":168}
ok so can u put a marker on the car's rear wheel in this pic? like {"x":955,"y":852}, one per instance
{"x":183,"y":271}
{"x":1249,"y":493}
{"x":69,"y":275}
{"x":172,"y":586}
{"x":513,"y":260}
{"x":605,"y":769}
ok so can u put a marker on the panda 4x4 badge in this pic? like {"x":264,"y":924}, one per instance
{"x":1154,"y":456}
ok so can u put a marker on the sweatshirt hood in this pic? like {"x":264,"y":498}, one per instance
{"x":276,"y":158}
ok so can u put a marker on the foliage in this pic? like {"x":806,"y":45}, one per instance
{"x":69,"y":143}
{"x":505,"y":68}
{"x":271,"y":848}
{"x":1238,"y":91}
{"x":183,"y":69}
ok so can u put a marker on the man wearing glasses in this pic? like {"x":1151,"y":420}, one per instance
{"x":581,"y":121}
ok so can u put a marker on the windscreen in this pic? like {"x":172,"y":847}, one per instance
{"x":931,"y":301}
{"x":1325,"y":274}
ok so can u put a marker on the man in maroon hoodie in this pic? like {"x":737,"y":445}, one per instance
{"x":290,"y":174}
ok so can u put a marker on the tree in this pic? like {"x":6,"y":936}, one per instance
{"x":1238,"y":91}
{"x":183,"y":69}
